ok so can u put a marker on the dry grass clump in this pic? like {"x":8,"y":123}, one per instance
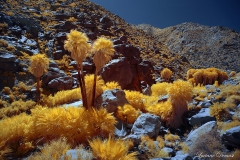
{"x":166,"y":74}
{"x":23,"y":132}
{"x":159,"y":89}
{"x":16,"y":107}
{"x":208,"y":144}
{"x":220,"y":111}
{"x":55,"y":149}
{"x":153,"y":149}
{"x":206,"y":76}
{"x":62,"y":97}
{"x":127,"y":113}
{"x":112,"y":149}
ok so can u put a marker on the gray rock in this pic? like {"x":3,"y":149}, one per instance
{"x":122,"y":131}
{"x":204,"y":129}
{"x":146,"y":124}
{"x":202,"y":117}
{"x":75,"y":152}
{"x":231,"y":137}
{"x":7,"y":57}
{"x":52,"y":74}
{"x":111,"y":99}
{"x":61,"y":83}
{"x":181,"y":156}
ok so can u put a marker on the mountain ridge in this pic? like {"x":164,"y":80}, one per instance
{"x":204,"y":46}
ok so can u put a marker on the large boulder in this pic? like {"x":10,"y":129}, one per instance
{"x":202,"y":117}
{"x":146,"y":124}
{"x":231,"y":138}
{"x":204,"y":129}
{"x":118,"y":70}
{"x":61,"y":83}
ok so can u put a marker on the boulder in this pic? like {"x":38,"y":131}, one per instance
{"x":202,"y":117}
{"x":117,"y":70}
{"x":52,"y":74}
{"x":231,"y":138}
{"x":111,"y":99}
{"x":204,"y":129}
{"x":61,"y":83}
{"x":146,"y":124}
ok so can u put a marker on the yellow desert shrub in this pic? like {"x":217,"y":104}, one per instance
{"x":166,"y":74}
{"x":180,"y":93}
{"x":62,"y":97}
{"x":112,"y":149}
{"x":44,"y":124}
{"x":161,"y":109}
{"x":219,"y":110}
{"x":127,"y":113}
{"x":111,"y":85}
{"x":135,"y":99}
{"x":159,"y":89}
{"x":206,"y":76}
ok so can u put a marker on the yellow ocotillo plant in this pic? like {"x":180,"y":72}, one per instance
{"x":39,"y":64}
{"x":103,"y":49}
{"x":77,"y":44}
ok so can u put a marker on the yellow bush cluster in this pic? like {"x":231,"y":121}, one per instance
{"x":127,"y":113}
{"x":206,"y":76}
{"x":112,"y":149}
{"x":46,"y":124}
{"x":153,"y":150}
{"x":166,"y":74}
{"x":159,"y":89}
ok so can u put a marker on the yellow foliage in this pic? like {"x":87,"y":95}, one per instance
{"x":16,"y":107}
{"x":103,"y":49}
{"x":227,"y":91}
{"x":111,"y":85}
{"x":153,"y":150}
{"x":180,"y":93}
{"x":54,"y":150}
{"x":166,"y":74}
{"x":206,"y":76}
{"x":161,"y":109}
{"x":127,"y":113}
{"x":62,"y":97}
{"x":76,"y":43}
{"x":135,"y":99}
{"x":184,"y":147}
{"x":219,"y":110}
{"x":89,"y":80}
{"x":112,"y":149}
{"x":76,"y":124}
{"x":159,"y":89}
{"x":228,"y":125}
{"x":39,"y":64}
{"x":172,"y":138}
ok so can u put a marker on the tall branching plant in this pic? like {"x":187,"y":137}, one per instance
{"x":103,"y":49}
{"x":39,"y":64}
{"x":77,"y":44}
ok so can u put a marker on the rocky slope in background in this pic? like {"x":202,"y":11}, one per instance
{"x":204,"y":46}
{"x":41,"y":26}
{"x":30,"y":27}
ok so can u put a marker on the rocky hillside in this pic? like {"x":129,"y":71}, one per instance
{"x":31,"y":27}
{"x":204,"y":46}
{"x":131,"y":116}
